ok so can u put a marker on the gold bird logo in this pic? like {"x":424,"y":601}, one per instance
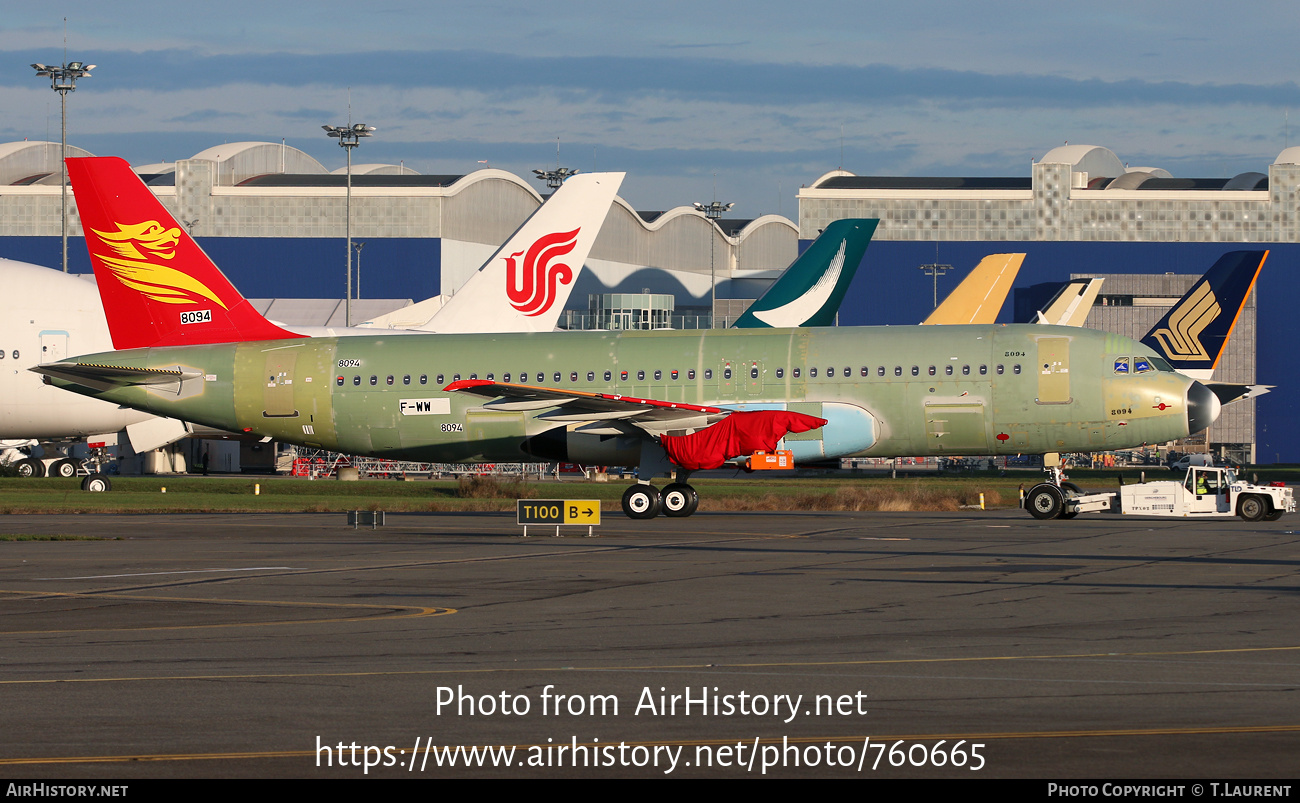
{"x":1182,"y":340}
{"x":128,"y":253}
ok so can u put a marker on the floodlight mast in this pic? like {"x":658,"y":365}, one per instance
{"x":713,"y":211}
{"x":349,"y":136}
{"x":554,"y":178}
{"x":63,"y":79}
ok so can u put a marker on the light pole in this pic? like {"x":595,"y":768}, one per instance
{"x":554,"y":178}
{"x":936,"y":270}
{"x":63,"y":79}
{"x":712,"y":211}
{"x":358,"y":247}
{"x":349,"y":136}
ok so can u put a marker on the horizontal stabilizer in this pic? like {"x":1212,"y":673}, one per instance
{"x":1228,"y":392}
{"x":106,"y":377}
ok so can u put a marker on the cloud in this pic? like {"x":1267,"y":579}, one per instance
{"x":610,"y":78}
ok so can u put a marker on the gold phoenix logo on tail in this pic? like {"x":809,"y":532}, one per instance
{"x":1182,"y":340}
{"x":129,"y":249}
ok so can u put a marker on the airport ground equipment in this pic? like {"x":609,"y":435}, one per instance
{"x":1205,"y":492}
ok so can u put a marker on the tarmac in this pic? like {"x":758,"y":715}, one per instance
{"x":900,"y":645}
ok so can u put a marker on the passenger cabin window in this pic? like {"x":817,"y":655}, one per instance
{"x":674,"y":376}
{"x":374,"y":380}
{"x":557,"y":376}
{"x":708,"y":373}
{"x":726,"y":372}
{"x":622,"y":376}
{"x":491,"y":377}
{"x":932,"y":371}
{"x":455,"y":377}
{"x":753,"y":372}
{"x":780,"y":373}
{"x":389,"y":381}
{"x":916,"y":371}
{"x":659,"y":375}
{"x":474,"y":375}
{"x":440,"y":379}
{"x":1015,"y":369}
{"x":812,"y":373}
{"x":880,"y":371}
{"x":796,"y":373}
{"x":591,"y":376}
{"x":356,"y":380}
{"x":898,"y":370}
{"x":608,"y":375}
{"x":573,"y":376}
{"x":504,"y":378}
{"x":984,"y":369}
{"x":947,"y":370}
{"x":690,"y":374}
{"x":965,"y":370}
{"x":640,"y":376}
{"x":866,"y":371}
{"x":1000,"y":370}
{"x":424,"y":379}
{"x":339,"y":382}
{"x":406,"y":380}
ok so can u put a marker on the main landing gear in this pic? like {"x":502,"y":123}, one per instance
{"x":676,"y":500}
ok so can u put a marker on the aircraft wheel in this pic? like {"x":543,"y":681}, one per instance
{"x":1251,"y":508}
{"x":63,"y":468}
{"x":97,"y":483}
{"x":641,"y":501}
{"x":680,"y":499}
{"x":30,"y":467}
{"x":1044,"y":501}
{"x":1273,"y":515}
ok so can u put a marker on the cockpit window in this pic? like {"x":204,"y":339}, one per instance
{"x":1141,"y":365}
{"x":1161,"y":365}
{"x":1121,"y":365}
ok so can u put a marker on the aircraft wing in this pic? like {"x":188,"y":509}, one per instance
{"x":653,"y":416}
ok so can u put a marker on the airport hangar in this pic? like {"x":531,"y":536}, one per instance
{"x":1082,"y":212}
{"x":273,"y":218}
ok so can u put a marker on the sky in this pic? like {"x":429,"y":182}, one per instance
{"x":754,"y":99}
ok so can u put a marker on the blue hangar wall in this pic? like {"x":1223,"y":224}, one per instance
{"x":284,"y":267}
{"x":890,"y":290}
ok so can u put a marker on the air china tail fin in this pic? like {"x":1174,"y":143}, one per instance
{"x":1193,"y":335}
{"x":810,"y":291}
{"x":158,"y":286}
{"x":527,"y":282}
{"x":980,"y":296}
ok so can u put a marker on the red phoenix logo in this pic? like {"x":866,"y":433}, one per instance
{"x":531,"y":285}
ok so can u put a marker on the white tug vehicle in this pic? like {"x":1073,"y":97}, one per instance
{"x":1206,"y":492}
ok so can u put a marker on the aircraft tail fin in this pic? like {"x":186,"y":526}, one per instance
{"x":1194,"y":333}
{"x":158,"y":286}
{"x":979,"y":297}
{"x":810,"y":291}
{"x":527,"y":282}
{"x":1070,"y":306}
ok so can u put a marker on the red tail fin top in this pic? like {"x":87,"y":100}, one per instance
{"x":158,"y":286}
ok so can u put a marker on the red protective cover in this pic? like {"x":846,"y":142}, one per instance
{"x":158,"y":286}
{"x":736,"y":435}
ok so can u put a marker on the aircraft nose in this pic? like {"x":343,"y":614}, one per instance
{"x":1202,"y":407}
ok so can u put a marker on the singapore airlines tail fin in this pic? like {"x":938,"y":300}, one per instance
{"x":810,"y":291}
{"x":157,"y":285}
{"x":1070,"y":306}
{"x":527,"y":282}
{"x":980,"y":296}
{"x":1193,"y":334}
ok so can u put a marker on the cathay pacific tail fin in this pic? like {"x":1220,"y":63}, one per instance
{"x":810,"y":291}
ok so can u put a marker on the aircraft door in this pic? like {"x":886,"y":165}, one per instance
{"x":277,"y":396}
{"x":54,"y":346}
{"x":1054,"y":370}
